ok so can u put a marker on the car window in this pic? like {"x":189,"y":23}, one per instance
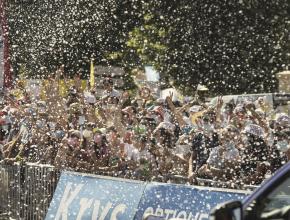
{"x":274,"y":201}
{"x":278,"y":198}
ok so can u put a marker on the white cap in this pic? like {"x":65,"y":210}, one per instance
{"x":160,"y":101}
{"x":255,"y":130}
{"x":195,"y":108}
{"x":201,"y":88}
{"x":167,"y":126}
{"x":282,"y":119}
{"x":90,"y":98}
{"x":239,"y":108}
{"x":43,"y":103}
{"x":260,"y":112}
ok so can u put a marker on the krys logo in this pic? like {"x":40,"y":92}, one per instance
{"x":100,"y":211}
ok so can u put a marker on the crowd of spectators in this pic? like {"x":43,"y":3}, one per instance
{"x":142,"y":137}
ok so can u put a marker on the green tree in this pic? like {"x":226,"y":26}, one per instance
{"x":46,"y":34}
{"x":230,"y":46}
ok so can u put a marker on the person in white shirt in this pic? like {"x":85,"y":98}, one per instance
{"x":109,"y":90}
{"x":223,"y":158}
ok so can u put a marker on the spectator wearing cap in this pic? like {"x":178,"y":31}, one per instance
{"x":41,"y":106}
{"x":75,"y":112}
{"x":72,"y":97}
{"x":88,"y":132}
{"x":201,"y":93}
{"x":254,"y":155}
{"x":240,"y":117}
{"x":109,"y":90}
{"x":90,"y":97}
{"x":257,"y":116}
{"x":208,"y":122}
{"x":195,"y":111}
{"x":282,"y":121}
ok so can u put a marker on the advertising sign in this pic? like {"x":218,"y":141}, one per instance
{"x":89,"y":197}
{"x":182,"y":202}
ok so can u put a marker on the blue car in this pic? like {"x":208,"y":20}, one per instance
{"x":270,"y":201}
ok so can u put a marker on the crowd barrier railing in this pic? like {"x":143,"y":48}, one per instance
{"x":221,"y":184}
{"x":10,"y":196}
{"x":26,"y":190}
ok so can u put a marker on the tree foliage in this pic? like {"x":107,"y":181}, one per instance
{"x":46,"y":34}
{"x":230,"y":46}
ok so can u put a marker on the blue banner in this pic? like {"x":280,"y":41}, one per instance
{"x":90,"y":197}
{"x":182,"y":202}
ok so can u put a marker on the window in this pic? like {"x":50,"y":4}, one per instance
{"x":270,"y":206}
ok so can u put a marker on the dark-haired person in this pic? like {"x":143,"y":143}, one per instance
{"x":162,"y":147}
{"x":101,"y":149}
{"x":224,"y":159}
{"x":68,"y":150}
{"x":227,"y":113}
{"x":146,"y":161}
{"x":73,"y":96}
{"x":203,"y":141}
{"x":280,"y":149}
{"x":254,"y":155}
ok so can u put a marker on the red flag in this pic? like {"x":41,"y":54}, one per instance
{"x":7,"y":64}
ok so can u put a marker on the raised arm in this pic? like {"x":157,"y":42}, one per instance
{"x":172,"y":108}
{"x":259,"y":119}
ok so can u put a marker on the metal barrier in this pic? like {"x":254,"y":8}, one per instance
{"x":227,"y":185}
{"x":26,"y":190}
{"x":4,"y":190}
{"x":11,"y":194}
